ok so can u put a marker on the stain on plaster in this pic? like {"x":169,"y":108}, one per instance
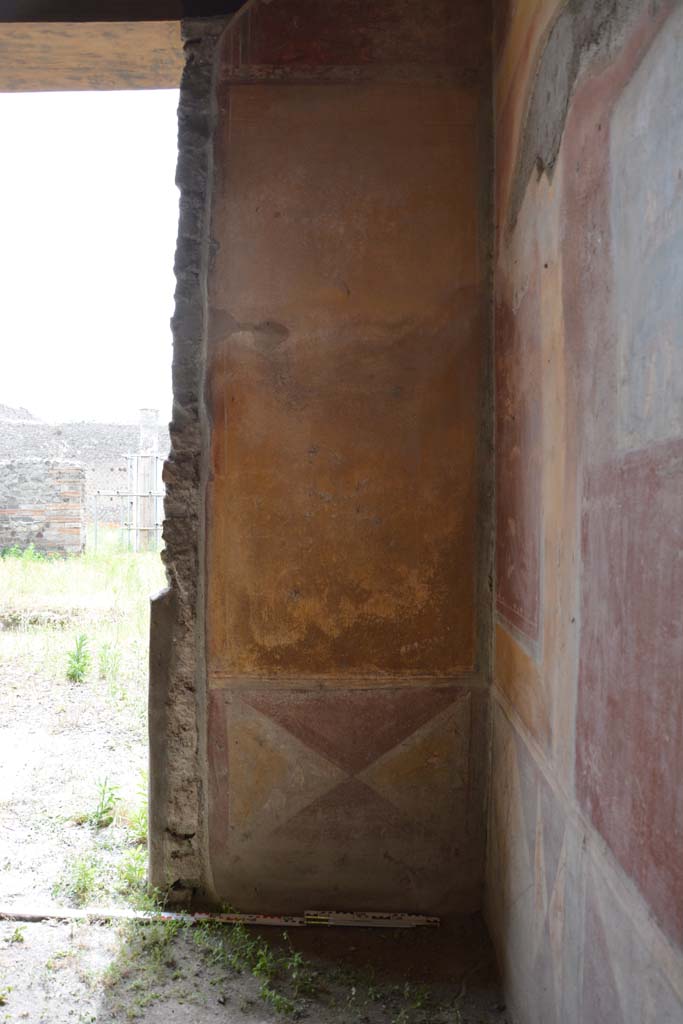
{"x":582,"y":29}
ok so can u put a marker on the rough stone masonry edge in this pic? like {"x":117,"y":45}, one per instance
{"x":178,"y":839}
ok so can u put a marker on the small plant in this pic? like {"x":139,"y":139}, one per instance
{"x":301,"y":977}
{"x":265,"y":965}
{"x":419,"y":998}
{"x":401,"y":1018}
{"x":58,"y":959}
{"x":29,"y":554}
{"x":78,"y":663}
{"x":138,"y":821}
{"x":109,"y":663}
{"x":4,"y":994}
{"x":280,"y":1003}
{"x":132,"y":873}
{"x":80,"y":880}
{"x":105,"y":809}
{"x":138,"y":824}
{"x":235,"y":947}
{"x":154,"y":940}
{"x":17,"y":935}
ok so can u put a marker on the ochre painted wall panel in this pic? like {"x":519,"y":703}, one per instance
{"x":348,"y":399}
{"x":345,"y":382}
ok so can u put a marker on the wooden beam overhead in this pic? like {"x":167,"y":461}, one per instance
{"x":60,"y":56}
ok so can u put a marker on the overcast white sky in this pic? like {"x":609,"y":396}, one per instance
{"x":88,"y":220}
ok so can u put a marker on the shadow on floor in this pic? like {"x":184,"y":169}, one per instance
{"x":54,"y":973}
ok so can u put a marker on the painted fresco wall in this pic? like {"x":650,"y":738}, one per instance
{"x":585,"y":876}
{"x":347,"y":532}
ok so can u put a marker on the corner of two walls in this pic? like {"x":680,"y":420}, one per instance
{"x":320,"y":662}
{"x":585,"y":866}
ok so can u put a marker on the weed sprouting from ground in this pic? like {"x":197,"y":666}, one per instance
{"x":81,"y":881}
{"x":109,"y":663}
{"x":144,"y":960}
{"x":301,"y":976}
{"x":105,"y":809}
{"x":284,"y":975}
{"x":78,"y":660}
{"x":138,"y":818}
{"x":132,"y":875}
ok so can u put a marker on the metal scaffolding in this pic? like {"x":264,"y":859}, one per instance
{"x":140,"y":504}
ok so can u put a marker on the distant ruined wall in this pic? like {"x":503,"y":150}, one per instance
{"x":585,"y":874}
{"x":100,"y":447}
{"x":42,"y":502}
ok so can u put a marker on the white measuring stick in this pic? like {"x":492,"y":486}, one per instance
{"x":328,"y":918}
{"x":372,"y":919}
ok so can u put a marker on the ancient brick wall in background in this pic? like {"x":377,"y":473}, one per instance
{"x":42,"y":502}
{"x":101,"y":448}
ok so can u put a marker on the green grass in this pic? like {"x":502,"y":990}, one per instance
{"x":138,"y":817}
{"x":109,"y":663}
{"x":27,"y":554}
{"x":132,"y":877}
{"x":81,"y":883}
{"x":80,"y":581}
{"x":102,"y":596}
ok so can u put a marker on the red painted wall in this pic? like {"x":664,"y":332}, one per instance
{"x":586,"y":818}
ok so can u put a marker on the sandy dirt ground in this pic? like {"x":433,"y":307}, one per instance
{"x":59,"y":742}
{"x":57,"y":746}
{"x":59,"y":973}
{"x":64,"y":743}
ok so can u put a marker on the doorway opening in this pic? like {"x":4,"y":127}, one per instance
{"x":89,"y":213}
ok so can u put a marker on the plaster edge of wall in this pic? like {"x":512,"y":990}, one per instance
{"x":178,"y":841}
{"x":486,"y":561}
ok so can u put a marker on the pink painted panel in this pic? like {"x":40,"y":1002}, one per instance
{"x":629,"y":757}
